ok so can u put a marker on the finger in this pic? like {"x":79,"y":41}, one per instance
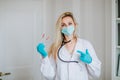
{"x":82,"y":58}
{"x":41,"y":45}
{"x":87,"y":51}
{"x":80,"y":52}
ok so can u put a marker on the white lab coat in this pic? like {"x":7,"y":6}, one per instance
{"x":59,"y":70}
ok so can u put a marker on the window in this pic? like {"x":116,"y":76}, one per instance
{"x":118,"y":8}
{"x":118,"y":34}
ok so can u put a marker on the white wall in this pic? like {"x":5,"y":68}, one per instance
{"x":108,"y":38}
{"x":23,"y":22}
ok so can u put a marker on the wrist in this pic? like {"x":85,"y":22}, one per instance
{"x":45,"y":55}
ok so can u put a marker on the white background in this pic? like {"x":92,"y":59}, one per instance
{"x":23,"y":22}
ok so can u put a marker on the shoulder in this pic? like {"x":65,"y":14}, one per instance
{"x":85,"y":43}
{"x":80,"y":40}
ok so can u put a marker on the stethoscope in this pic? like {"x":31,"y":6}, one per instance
{"x":63,"y":43}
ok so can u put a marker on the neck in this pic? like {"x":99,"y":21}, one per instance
{"x":67,"y":38}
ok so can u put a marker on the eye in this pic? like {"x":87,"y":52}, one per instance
{"x":63,"y":25}
{"x":70,"y":24}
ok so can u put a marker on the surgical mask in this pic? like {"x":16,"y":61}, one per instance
{"x":68,"y":30}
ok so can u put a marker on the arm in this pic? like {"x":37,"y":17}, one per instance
{"x":94,"y":68}
{"x":48,"y":65}
{"x":48,"y":68}
{"x":89,"y":57}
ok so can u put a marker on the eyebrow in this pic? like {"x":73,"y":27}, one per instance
{"x":68,"y":22}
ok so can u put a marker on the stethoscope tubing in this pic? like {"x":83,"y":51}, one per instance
{"x":63,"y":43}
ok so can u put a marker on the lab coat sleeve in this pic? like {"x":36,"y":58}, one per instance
{"x":94,"y":68}
{"x":48,"y":67}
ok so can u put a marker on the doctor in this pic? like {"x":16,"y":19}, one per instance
{"x":69,"y":57}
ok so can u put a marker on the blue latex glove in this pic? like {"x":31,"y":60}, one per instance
{"x":85,"y":57}
{"x":41,"y":50}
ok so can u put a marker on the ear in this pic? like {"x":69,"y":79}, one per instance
{"x":75,"y":24}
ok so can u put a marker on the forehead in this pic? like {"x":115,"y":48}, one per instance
{"x":67,"y":19}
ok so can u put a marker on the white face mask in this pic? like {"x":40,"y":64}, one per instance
{"x":68,"y":30}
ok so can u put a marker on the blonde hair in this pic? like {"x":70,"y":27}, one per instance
{"x":59,"y":36}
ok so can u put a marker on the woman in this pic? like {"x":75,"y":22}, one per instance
{"x":69,"y":58}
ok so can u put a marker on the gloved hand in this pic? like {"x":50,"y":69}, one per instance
{"x":41,"y":50}
{"x":85,"y":57}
